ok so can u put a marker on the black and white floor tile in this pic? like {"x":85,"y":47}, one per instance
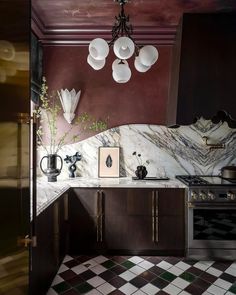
{"x":139,"y":275}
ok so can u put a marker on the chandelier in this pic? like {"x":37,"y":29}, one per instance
{"x":124,"y":47}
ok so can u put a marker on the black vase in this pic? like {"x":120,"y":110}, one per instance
{"x":51,"y":171}
{"x":141,"y":172}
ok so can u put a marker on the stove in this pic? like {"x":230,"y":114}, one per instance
{"x":205,"y":180}
{"x":211,"y":217}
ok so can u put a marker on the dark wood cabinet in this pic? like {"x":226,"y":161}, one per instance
{"x":203,"y":71}
{"x":127,"y":220}
{"x":52,"y":242}
{"x":85,"y":219}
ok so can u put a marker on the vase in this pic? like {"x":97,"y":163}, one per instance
{"x":51,"y":171}
{"x":141,"y":172}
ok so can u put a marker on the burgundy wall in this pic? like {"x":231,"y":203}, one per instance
{"x":142,"y":100}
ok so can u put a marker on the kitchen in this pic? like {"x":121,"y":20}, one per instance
{"x":86,"y":222}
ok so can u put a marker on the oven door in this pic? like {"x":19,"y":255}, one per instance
{"x":211,"y":226}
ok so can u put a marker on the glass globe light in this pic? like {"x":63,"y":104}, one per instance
{"x":124,"y":48}
{"x":139,"y":66}
{"x":117,"y":62}
{"x":95,"y":64}
{"x":121,"y":73}
{"x":98,"y":49}
{"x":148,"y":55}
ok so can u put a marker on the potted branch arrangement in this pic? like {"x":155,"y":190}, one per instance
{"x":48,"y":136}
{"x":141,"y":171}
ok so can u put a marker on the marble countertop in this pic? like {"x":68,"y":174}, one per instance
{"x":48,"y":192}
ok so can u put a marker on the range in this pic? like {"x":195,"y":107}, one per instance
{"x":211,"y":217}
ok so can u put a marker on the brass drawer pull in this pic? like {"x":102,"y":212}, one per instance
{"x":157,"y":218}
{"x":100,"y":216}
{"x":153,"y":216}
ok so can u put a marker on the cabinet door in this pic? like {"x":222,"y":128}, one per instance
{"x":170,"y":201}
{"x":128,"y":219}
{"x":85,"y":219}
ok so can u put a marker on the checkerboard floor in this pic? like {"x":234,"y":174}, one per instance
{"x":142,"y":275}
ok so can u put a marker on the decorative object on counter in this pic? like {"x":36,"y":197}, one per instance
{"x":124,"y":47}
{"x":213,"y":146}
{"x":51,"y":171}
{"x":109,"y":162}
{"x":69,"y":101}
{"x":72,"y":160}
{"x":141,"y":171}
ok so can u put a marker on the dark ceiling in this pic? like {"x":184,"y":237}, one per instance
{"x":73,"y":18}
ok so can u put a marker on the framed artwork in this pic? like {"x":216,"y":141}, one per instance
{"x":109,"y":162}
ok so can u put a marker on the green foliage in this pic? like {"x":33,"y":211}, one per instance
{"x":48,"y":113}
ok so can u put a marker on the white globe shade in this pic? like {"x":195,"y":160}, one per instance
{"x":124,"y":48}
{"x":7,"y":50}
{"x":117,"y":62}
{"x":139,"y":66}
{"x":148,"y":55}
{"x":95,"y":64}
{"x":121,"y":73}
{"x":98,"y":49}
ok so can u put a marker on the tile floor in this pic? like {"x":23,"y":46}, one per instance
{"x":139,"y":275}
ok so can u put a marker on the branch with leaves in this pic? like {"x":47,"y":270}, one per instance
{"x":48,"y":113}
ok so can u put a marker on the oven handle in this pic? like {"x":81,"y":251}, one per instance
{"x":211,"y":206}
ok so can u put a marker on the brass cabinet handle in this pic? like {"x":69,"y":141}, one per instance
{"x":100,"y":216}
{"x":98,"y":212}
{"x":153,"y":216}
{"x":157,"y":217}
{"x":66,"y":207}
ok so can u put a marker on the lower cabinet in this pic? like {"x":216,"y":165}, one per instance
{"x":135,"y":221}
{"x":52,"y":245}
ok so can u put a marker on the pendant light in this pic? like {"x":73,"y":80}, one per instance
{"x":124,"y":47}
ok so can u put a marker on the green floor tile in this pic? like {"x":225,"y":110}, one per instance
{"x":188,"y":277}
{"x":233,"y":289}
{"x":108,"y":264}
{"x":84,"y":288}
{"x":168,"y":276}
{"x":128,"y":264}
{"x":62,"y":287}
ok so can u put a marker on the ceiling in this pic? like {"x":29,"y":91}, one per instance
{"x":76,"y":21}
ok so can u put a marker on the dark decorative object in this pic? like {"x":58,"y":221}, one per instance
{"x":52,"y":171}
{"x":72,"y":159}
{"x":109,"y":161}
{"x":141,"y":172}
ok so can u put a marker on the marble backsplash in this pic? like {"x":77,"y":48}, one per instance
{"x":170,"y":151}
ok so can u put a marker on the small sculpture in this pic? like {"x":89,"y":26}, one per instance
{"x":72,"y":159}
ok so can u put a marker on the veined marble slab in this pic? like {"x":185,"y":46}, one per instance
{"x":170,"y":151}
{"x":48,"y":192}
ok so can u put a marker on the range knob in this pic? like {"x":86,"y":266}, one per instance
{"x":231,"y":196}
{"x":194,"y":195}
{"x":211,"y":196}
{"x":203,"y":196}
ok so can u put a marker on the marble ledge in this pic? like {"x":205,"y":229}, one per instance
{"x":48,"y":192}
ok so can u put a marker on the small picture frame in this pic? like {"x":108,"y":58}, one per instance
{"x":109,"y":161}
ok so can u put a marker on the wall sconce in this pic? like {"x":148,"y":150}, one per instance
{"x":69,"y":101}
